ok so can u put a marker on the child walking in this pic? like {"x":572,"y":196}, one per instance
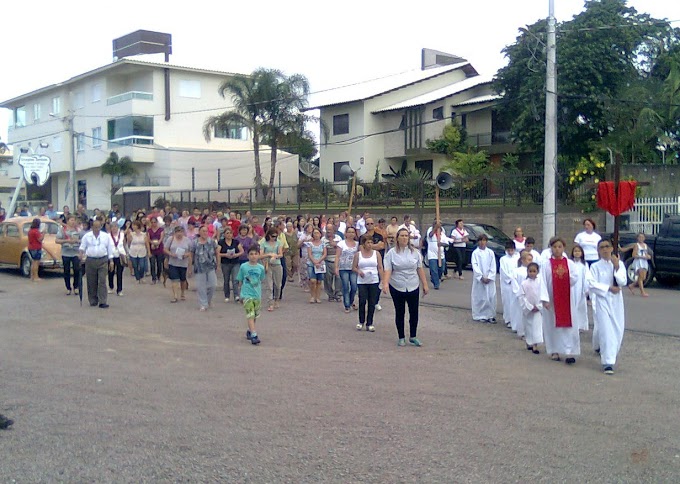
{"x":530,"y":296}
{"x":641,"y":259}
{"x":250,"y":275}
{"x":484,"y":282}
{"x":508,"y":264}
{"x":520,"y":276}
{"x":580,"y":313}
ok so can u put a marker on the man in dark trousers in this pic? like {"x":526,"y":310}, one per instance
{"x":98,"y":247}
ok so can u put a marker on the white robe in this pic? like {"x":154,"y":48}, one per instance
{"x":508,"y":266}
{"x":564,"y":341}
{"x":608,"y":310}
{"x":483,"y":295}
{"x":530,"y":297}
{"x":517,"y":315}
{"x":580,"y":314}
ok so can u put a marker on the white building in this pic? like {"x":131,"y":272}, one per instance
{"x":124,"y":107}
{"x":384,"y":122}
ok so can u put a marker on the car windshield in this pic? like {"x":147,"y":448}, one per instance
{"x":491,"y":232}
{"x":48,"y":228}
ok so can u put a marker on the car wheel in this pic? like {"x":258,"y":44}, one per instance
{"x":25,"y":267}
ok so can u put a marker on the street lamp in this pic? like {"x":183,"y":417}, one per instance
{"x":662,"y":148}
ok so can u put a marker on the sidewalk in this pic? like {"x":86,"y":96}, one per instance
{"x":152,"y":391}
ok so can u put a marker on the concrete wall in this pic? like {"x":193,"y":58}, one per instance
{"x":664,"y":180}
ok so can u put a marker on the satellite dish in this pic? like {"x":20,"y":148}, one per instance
{"x":309,"y":169}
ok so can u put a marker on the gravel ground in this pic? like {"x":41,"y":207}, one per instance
{"x":148,"y":391}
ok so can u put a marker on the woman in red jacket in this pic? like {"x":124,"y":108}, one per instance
{"x":35,"y":238}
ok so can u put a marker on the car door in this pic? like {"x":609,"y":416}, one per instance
{"x":3,"y":227}
{"x":667,"y":249}
{"x":13,"y":246}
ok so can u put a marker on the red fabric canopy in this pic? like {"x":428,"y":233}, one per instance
{"x":607,"y":200}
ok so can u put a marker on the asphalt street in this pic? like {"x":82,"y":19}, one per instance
{"x":148,"y":391}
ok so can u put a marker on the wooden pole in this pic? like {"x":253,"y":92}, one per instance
{"x":351,"y":193}
{"x":617,"y":218}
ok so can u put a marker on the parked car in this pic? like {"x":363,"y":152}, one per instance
{"x":665,"y":247}
{"x":497,"y":240}
{"x":14,"y":244}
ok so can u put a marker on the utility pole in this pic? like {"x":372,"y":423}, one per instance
{"x":72,"y":175}
{"x":550,"y":157}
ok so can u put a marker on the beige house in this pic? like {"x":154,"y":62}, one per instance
{"x":382,"y":123}
{"x":126,"y":107}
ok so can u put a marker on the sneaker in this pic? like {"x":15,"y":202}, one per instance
{"x":109,"y":291}
{"x":378,"y":307}
{"x":237,"y":299}
{"x":226,"y":299}
{"x":493,"y":321}
{"x":360,"y":327}
{"x":570,"y":361}
{"x":370,"y":328}
{"x":608,"y":370}
{"x":254,"y":339}
{"x":401,"y":342}
{"x":120,"y":294}
{"x":415,"y":342}
{"x":248,"y":335}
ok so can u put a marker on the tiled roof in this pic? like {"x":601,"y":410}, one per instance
{"x":376,"y":87}
{"x":439,"y":94}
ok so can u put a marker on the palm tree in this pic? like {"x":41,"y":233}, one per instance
{"x":117,"y":168}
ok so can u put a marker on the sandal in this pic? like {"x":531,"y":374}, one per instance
{"x":354,"y":306}
{"x":174,"y":300}
{"x":270,"y":308}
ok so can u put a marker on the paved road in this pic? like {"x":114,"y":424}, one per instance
{"x":657,"y":314}
{"x":148,"y":391}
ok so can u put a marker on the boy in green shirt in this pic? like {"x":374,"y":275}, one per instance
{"x":250,"y":275}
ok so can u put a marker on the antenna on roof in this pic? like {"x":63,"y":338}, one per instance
{"x":433,"y":58}
{"x":142,"y":42}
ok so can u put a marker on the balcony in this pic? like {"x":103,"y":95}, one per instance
{"x":496,"y":142}
{"x":129,"y":140}
{"x":126,"y":96}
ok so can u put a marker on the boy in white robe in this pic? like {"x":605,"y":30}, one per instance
{"x":529,"y":245}
{"x":530,"y":297}
{"x":520,"y":276}
{"x":608,"y":310}
{"x":508,"y":264}
{"x":483,"y":282}
{"x":559,"y":339}
{"x":581,"y":289}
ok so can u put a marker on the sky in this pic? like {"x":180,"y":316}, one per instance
{"x":331,"y":43}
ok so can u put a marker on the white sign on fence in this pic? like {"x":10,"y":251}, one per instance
{"x":36,"y":169}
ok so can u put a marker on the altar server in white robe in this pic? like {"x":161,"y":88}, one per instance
{"x":520,"y":276}
{"x":581,"y":290}
{"x":560,"y":333}
{"x":530,"y":298}
{"x":608,"y":310}
{"x":508,"y":264}
{"x":483,"y":282}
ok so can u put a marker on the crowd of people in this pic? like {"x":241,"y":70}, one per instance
{"x":354,"y":261}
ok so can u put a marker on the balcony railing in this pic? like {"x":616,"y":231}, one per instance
{"x":489,"y":139}
{"x":126,"y":96}
{"x":130,"y":140}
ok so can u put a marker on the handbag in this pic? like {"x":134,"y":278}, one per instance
{"x":320,"y":269}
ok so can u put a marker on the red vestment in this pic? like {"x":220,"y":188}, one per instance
{"x":561,"y":292}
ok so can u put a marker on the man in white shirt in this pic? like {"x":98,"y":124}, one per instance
{"x":436,"y":259}
{"x":97,"y":246}
{"x":361,"y":224}
{"x":342,"y":224}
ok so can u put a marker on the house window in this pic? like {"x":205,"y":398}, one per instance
{"x":130,"y":130}
{"x":36,"y":112}
{"x":438,"y":113}
{"x":341,"y":124}
{"x":96,"y":137}
{"x":231,"y":131}
{"x":56,"y":144}
{"x":463,"y":120}
{"x":453,"y":117}
{"x":96,"y":93}
{"x":78,"y":100}
{"x":425,"y":166}
{"x":190,"y":89}
{"x":80,"y":142}
{"x":56,"y":105}
{"x":20,"y":116}
{"x":338,"y":176}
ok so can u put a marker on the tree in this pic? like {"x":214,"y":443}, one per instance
{"x":117,"y":168}
{"x":600,"y":52}
{"x":270,"y":104}
{"x":452,"y":140}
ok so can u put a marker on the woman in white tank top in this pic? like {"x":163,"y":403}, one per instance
{"x":368,"y":266}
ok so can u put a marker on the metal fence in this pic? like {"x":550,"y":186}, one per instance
{"x":648,"y":213}
{"x":499,"y":190}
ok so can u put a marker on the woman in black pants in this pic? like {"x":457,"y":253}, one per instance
{"x":368,"y":266}
{"x":404,"y":273}
{"x":460,"y":239}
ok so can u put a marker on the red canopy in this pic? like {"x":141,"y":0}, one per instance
{"x":607,"y":200}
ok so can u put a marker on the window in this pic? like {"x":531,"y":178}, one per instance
{"x":438,"y":113}
{"x":338,"y":176}
{"x":131,"y":130}
{"x":56,"y":144}
{"x":231,"y":131}
{"x":20,"y":116}
{"x":12,"y":230}
{"x":96,"y":137}
{"x":463,"y":120}
{"x":80,"y":142}
{"x":96,"y":93}
{"x":78,"y":100}
{"x":189,"y":88}
{"x":36,"y":112}
{"x":425,"y":166}
{"x":453,"y":117}
{"x":341,"y":124}
{"x":56,"y":105}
